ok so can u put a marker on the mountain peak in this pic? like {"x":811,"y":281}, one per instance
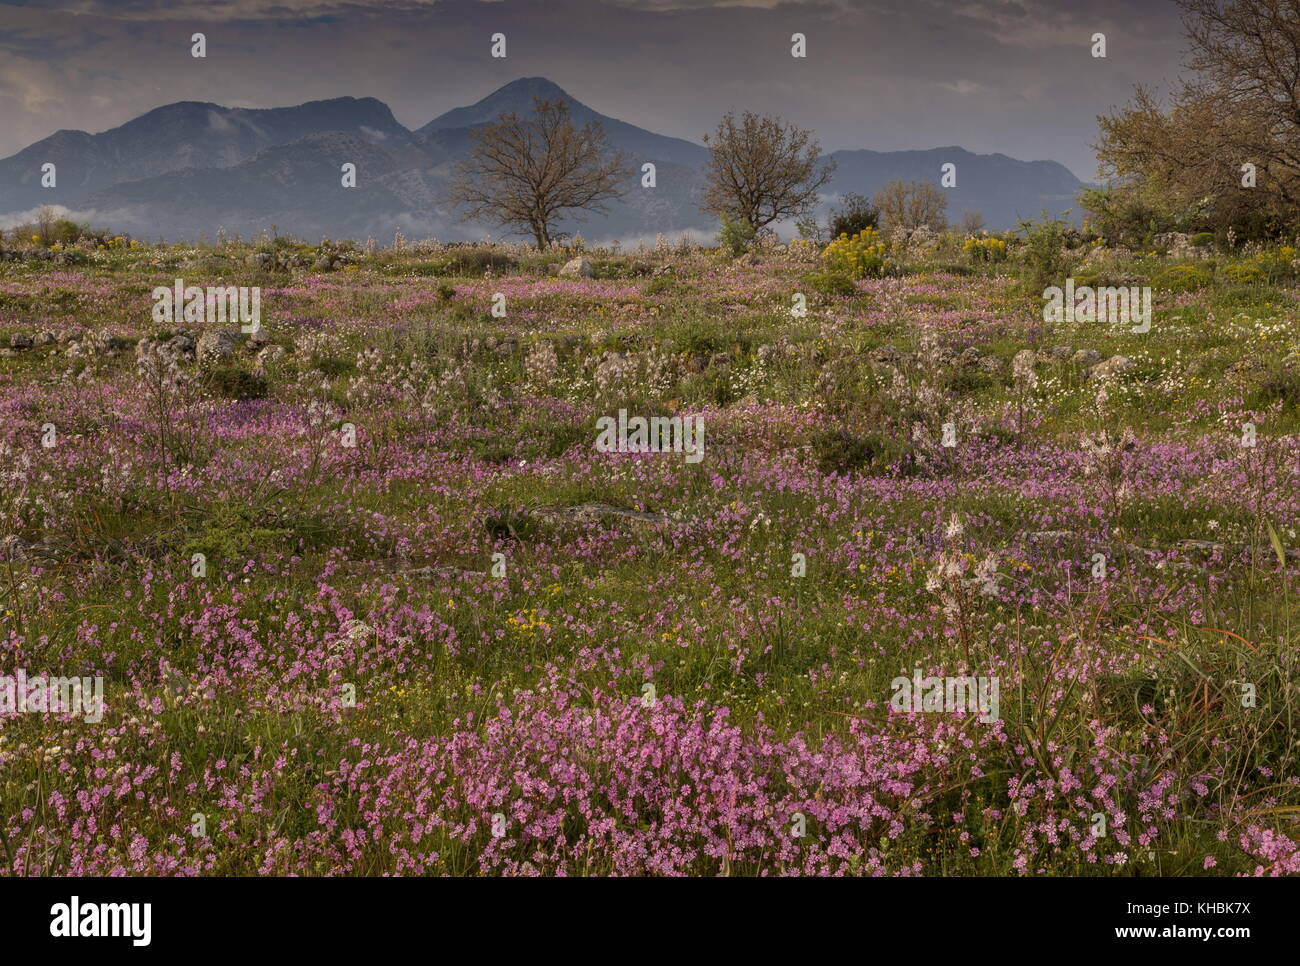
{"x":514,"y":98}
{"x":532,"y":86}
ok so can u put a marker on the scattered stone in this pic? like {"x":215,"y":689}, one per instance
{"x":179,"y":348}
{"x":257,"y":259}
{"x":887,"y":354}
{"x":1176,"y":242}
{"x":43,"y":338}
{"x":1047,"y":536}
{"x":14,"y":548}
{"x":1206,"y":546}
{"x":216,"y":347}
{"x":1110,"y":368}
{"x":181,"y":345}
{"x":1062,"y":352}
{"x":270,"y":356}
{"x":577,"y":268}
{"x":1087,"y":358}
{"x":503,"y":347}
{"x":1247,"y":368}
{"x":101,"y":342}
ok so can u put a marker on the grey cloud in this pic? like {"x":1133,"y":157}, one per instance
{"x":990,"y":75}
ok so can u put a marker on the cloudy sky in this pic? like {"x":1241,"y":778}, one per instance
{"x":1009,"y":76}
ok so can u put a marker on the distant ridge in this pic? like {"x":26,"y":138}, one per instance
{"x":189,"y":168}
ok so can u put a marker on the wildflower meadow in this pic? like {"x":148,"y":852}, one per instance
{"x":364,"y":595}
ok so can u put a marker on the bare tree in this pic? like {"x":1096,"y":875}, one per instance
{"x":911,"y":204}
{"x":762,"y":170}
{"x":45,"y":219}
{"x":972,"y":223}
{"x":527,"y":173}
{"x":1241,"y":106}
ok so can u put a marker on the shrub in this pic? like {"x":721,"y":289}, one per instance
{"x":985,"y":249}
{"x":1046,"y":260}
{"x":840,"y":451}
{"x":856,"y":256}
{"x":235,"y":383}
{"x":658,"y":286}
{"x":1269,"y":266}
{"x":735,"y":235}
{"x":509,"y":523}
{"x":1182,"y":278}
{"x":1279,"y":384}
{"x":856,"y":213}
{"x":830,"y":283}
{"x":1245,"y":273}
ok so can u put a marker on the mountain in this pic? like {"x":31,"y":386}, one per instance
{"x":517,"y":98}
{"x":177,"y":137}
{"x":187,"y":169}
{"x":1002,"y":189}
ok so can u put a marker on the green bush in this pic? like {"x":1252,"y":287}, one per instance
{"x":1046,"y":261}
{"x":1182,"y":278}
{"x":856,"y":213}
{"x":232,"y":382}
{"x":659,"y":286}
{"x":985,"y":249}
{"x":735,"y":235}
{"x":840,"y":451}
{"x":1280,"y":384}
{"x":830,"y":283}
{"x":477,"y":261}
{"x":1245,"y":273}
{"x":857,"y":256}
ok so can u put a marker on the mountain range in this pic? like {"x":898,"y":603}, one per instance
{"x":185,"y":170}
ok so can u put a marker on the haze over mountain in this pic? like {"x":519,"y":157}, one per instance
{"x":187,"y":169}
